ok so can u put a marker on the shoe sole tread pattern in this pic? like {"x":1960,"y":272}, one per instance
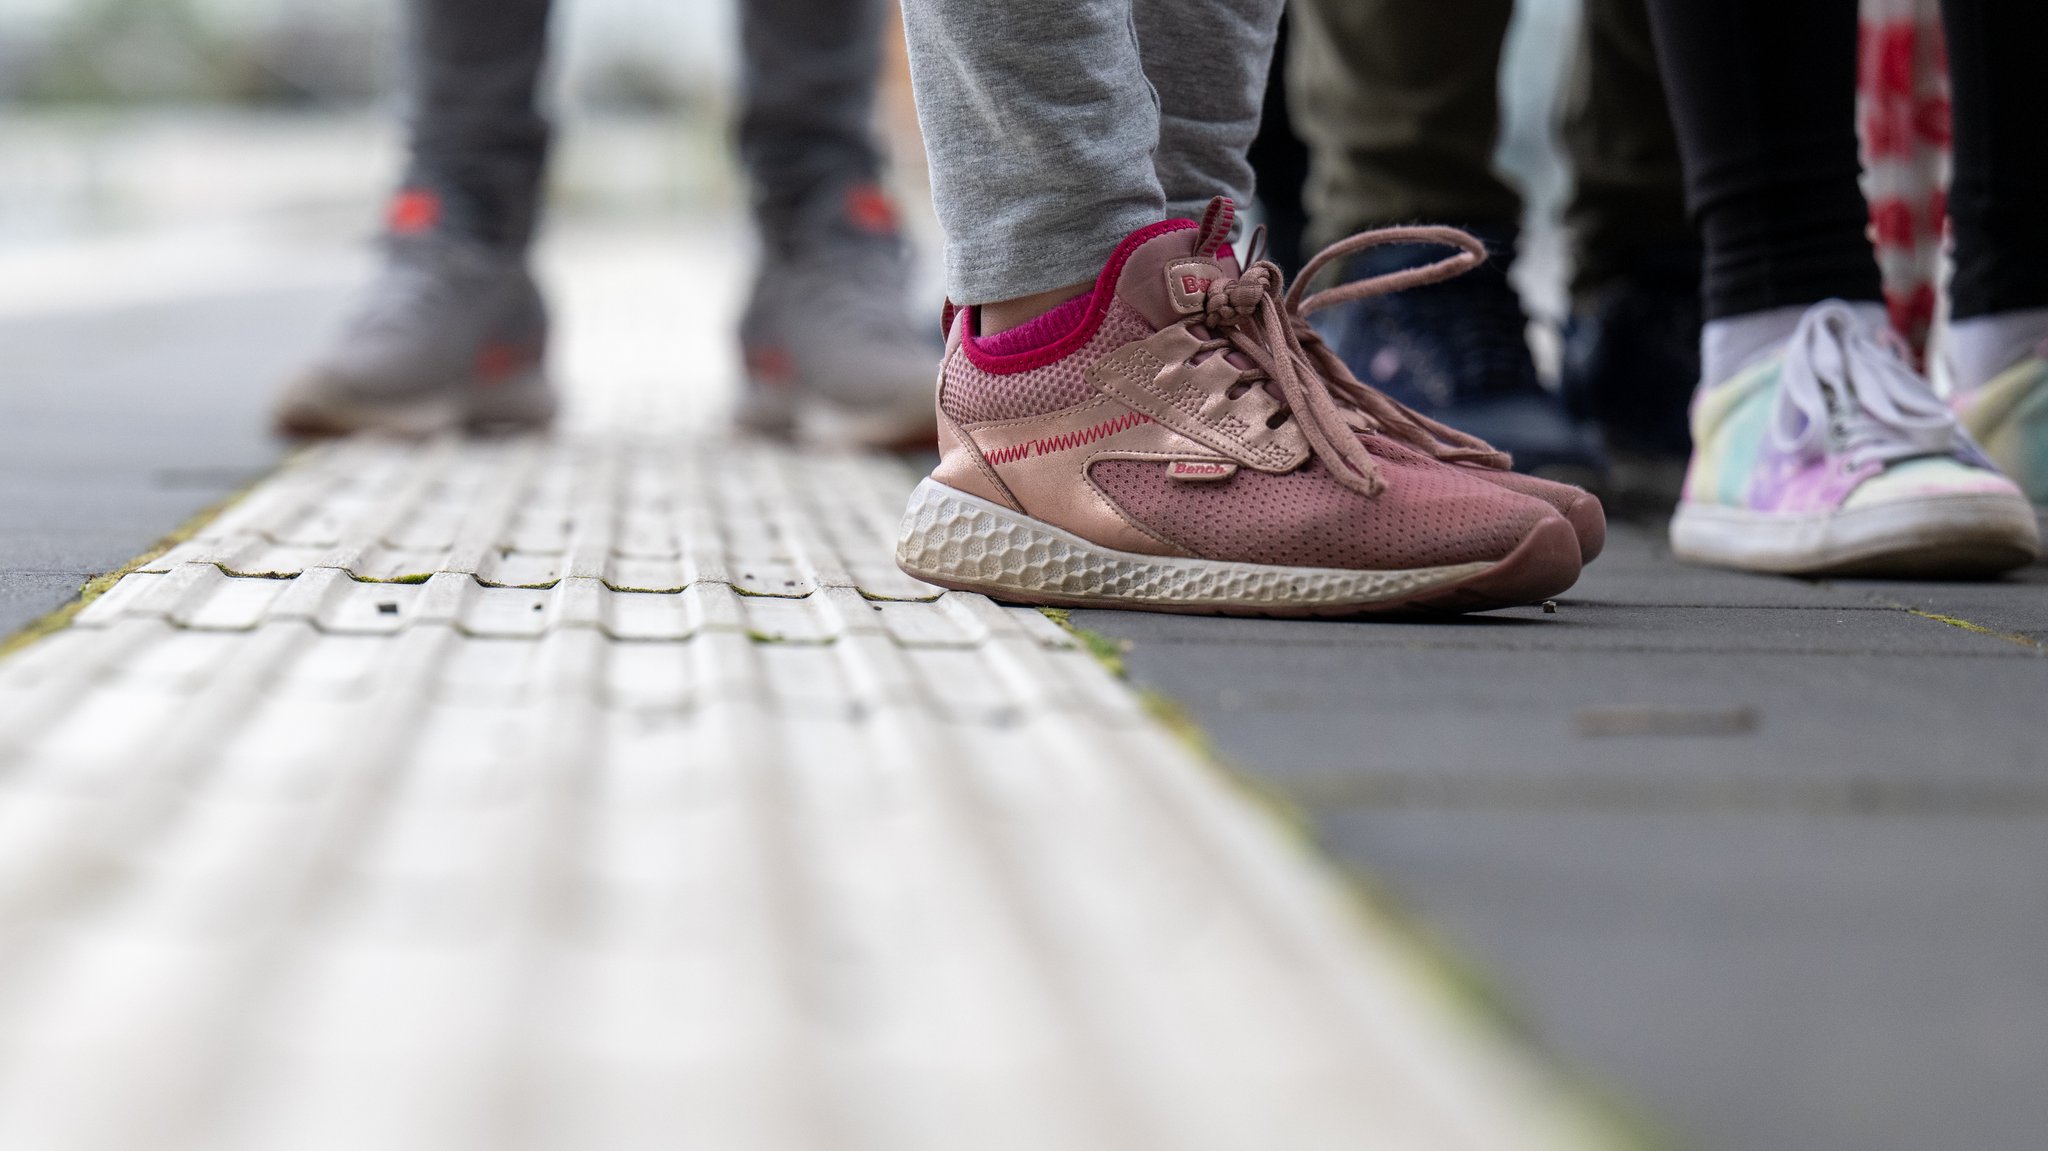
{"x":1956,"y":537}
{"x":966,"y":543}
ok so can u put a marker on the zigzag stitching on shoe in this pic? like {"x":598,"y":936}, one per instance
{"x":1066,"y":441}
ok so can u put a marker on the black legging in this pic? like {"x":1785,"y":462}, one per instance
{"x":1764,"y":95}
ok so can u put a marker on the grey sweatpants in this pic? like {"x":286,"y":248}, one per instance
{"x":479,"y":138}
{"x":1055,"y":128}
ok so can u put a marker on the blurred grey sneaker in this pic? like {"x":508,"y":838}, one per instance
{"x":831,"y":352}
{"x":451,"y":335}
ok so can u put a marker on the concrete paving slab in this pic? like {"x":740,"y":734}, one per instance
{"x":27,"y":596}
{"x":1637,"y":569}
{"x":1793,"y":904}
{"x":1329,"y":725}
{"x":2015,"y":606}
{"x":88,"y":524}
{"x":118,"y":425}
{"x":175,"y":386}
{"x":1759,"y":980}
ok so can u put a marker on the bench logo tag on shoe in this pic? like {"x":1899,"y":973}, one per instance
{"x":1187,"y":281}
{"x":1200,"y":471}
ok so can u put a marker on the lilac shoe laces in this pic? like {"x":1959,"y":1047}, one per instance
{"x":1848,"y":391}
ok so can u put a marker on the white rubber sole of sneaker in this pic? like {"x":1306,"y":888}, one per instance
{"x":521,"y":402}
{"x":1963,"y":536}
{"x":960,"y":541}
{"x":910,"y":426}
{"x":786,"y":413}
{"x":526,"y":401}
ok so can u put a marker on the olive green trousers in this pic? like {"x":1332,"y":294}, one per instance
{"x":1399,"y":103}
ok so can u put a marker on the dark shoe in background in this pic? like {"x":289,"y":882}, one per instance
{"x":1631,"y":360}
{"x":1459,"y":351}
{"x":1281,"y":160}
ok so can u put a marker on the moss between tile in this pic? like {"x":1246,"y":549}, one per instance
{"x":1107,"y":652}
{"x":97,"y":586}
{"x":2025,"y":641}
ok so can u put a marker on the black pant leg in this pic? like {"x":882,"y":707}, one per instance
{"x":1998,"y":202}
{"x":1763,"y":95}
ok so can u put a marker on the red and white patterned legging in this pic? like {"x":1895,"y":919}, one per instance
{"x":1903,"y":120}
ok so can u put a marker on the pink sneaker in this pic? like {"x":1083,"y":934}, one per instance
{"x":1166,"y":443}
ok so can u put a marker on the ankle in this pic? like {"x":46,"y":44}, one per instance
{"x":1732,"y":343}
{"x":1982,"y":347}
{"x":1002,"y":315}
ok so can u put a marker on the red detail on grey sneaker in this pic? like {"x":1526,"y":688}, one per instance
{"x":771,"y":366}
{"x":497,"y":362}
{"x":1098,"y":307}
{"x":413,"y":211}
{"x":869,"y":209}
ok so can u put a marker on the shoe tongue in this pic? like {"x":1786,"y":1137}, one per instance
{"x":1164,"y":277}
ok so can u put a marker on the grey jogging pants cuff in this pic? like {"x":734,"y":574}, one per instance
{"x":1007,"y":263}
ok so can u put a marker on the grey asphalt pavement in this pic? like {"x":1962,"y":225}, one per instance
{"x":116,"y":426}
{"x":1765,"y":860}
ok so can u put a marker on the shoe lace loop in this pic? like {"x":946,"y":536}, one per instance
{"x":1268,"y":326}
{"x":1847,"y":389}
{"x":1434,"y":437}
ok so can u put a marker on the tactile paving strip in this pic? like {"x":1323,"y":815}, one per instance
{"x":612,"y":795}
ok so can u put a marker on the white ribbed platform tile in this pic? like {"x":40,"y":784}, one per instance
{"x":655,"y":809}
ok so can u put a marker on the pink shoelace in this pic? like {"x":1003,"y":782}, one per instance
{"x":1253,"y":316}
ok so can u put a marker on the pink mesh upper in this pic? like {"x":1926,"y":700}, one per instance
{"x":972,"y":395}
{"x":1430,"y":514}
{"x":1557,"y":495}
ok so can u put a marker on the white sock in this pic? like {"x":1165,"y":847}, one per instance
{"x":1729,"y":345}
{"x":1981,"y":347}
